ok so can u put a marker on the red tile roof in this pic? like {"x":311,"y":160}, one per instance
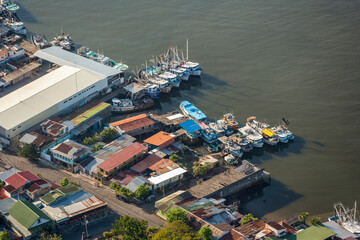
{"x":123,"y":156}
{"x":40,"y":139}
{"x":133,"y":123}
{"x":251,"y":228}
{"x":160,"y":138}
{"x":2,"y":194}
{"x":147,"y":162}
{"x":19,"y":179}
{"x":125,"y":177}
{"x":9,"y":188}
{"x":32,"y":187}
{"x":276,"y":226}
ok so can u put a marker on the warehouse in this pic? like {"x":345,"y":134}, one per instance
{"x":59,"y":91}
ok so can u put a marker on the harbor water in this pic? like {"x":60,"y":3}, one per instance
{"x":294,"y":59}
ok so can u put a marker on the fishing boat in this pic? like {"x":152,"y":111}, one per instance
{"x":217,"y":128}
{"x":190,"y":110}
{"x":230,"y":146}
{"x":280,"y":132}
{"x":253,"y":136}
{"x":162,"y":84}
{"x":182,"y":73}
{"x":40,"y":41}
{"x":230,"y":119}
{"x":242,"y":141}
{"x":64,"y":41}
{"x":284,"y":129}
{"x":10,"y":5}
{"x":127,"y":105}
{"x":172,"y":78}
{"x":230,"y":159}
{"x":209,"y":135}
{"x":211,"y":147}
{"x":346,"y":217}
{"x":228,"y":129}
{"x":193,"y":68}
{"x":269,"y":136}
{"x":152,"y":91}
{"x":16,"y":27}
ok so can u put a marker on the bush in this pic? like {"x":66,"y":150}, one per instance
{"x":89,"y":141}
{"x":4,"y":235}
{"x":247,"y":218}
{"x":200,"y":171}
{"x":175,"y":214}
{"x":174,"y":157}
{"x":109,"y":134}
{"x":205,"y":233}
{"x":315,"y":221}
{"x":64,"y":182}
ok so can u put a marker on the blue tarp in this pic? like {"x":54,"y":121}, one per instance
{"x":190,"y":126}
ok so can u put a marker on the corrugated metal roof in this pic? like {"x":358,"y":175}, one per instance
{"x":190,"y":126}
{"x":147,"y":162}
{"x":166,"y":176}
{"x":42,"y":94}
{"x":159,"y":138}
{"x":8,"y":174}
{"x":62,"y":57}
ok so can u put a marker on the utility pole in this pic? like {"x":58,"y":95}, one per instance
{"x":86,"y":222}
{"x":82,"y":236}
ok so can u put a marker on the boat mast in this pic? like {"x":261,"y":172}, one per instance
{"x":187,"y":49}
{"x":355,"y":211}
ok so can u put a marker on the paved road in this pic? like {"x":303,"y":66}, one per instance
{"x":55,"y":175}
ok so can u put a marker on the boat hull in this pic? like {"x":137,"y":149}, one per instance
{"x":184,"y":77}
{"x":133,"y":109}
{"x":153,"y":95}
{"x":272,"y":143}
{"x":257,"y":145}
{"x":196,"y":72}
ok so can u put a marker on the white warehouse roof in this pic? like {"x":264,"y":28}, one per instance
{"x":166,"y":176}
{"x":61,"y":57}
{"x":42,"y":94}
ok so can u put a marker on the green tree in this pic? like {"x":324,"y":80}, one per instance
{"x":97,"y":147}
{"x":130,"y":228}
{"x":200,"y":170}
{"x":109,"y":134}
{"x":29,"y":151}
{"x":176,"y":230}
{"x":1,"y":185}
{"x":175,"y":214}
{"x":4,"y":235}
{"x":205,"y":233}
{"x":89,"y":141}
{"x":46,"y":236}
{"x":247,"y":218}
{"x":108,"y":235}
{"x":142,"y":192}
{"x":315,"y":221}
{"x":151,"y":231}
{"x":64,"y":182}
{"x":174,"y":157}
{"x":303,"y":216}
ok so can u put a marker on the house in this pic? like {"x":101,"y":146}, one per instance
{"x":162,"y":166}
{"x":130,"y":179}
{"x":144,"y":164}
{"x":128,"y":156}
{"x":28,"y":219}
{"x":160,"y":139}
{"x":7,"y":174}
{"x":136,"y":125}
{"x":37,"y":139}
{"x":68,"y":211}
{"x":37,"y":189}
{"x":16,"y":183}
{"x":69,"y":153}
{"x":208,"y":159}
{"x":170,"y":177}
{"x":56,"y":126}
{"x":88,"y":167}
{"x":192,"y":129}
{"x":248,"y":230}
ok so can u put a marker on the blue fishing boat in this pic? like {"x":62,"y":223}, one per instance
{"x":190,"y":110}
{"x":152,"y":91}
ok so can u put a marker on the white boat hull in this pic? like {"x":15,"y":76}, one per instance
{"x":272,"y":143}
{"x":196,"y":73}
{"x":283,"y":139}
{"x":257,"y":145}
{"x":175,"y":84}
{"x":184,"y":77}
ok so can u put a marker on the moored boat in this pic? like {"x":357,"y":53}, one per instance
{"x":193,"y":68}
{"x":10,"y":5}
{"x":282,"y":135}
{"x":253,"y":136}
{"x":40,"y":41}
{"x":16,"y":27}
{"x":226,"y":126}
{"x":209,"y":135}
{"x":211,"y":147}
{"x":190,"y":110}
{"x":127,"y":105}
{"x":152,"y":91}
{"x":162,"y":84}
{"x":230,"y":159}
{"x":241,"y":140}
{"x":64,"y":41}
{"x":182,"y":73}
{"x":217,"y":128}
{"x":269,"y":136}
{"x":230,"y":119}
{"x":172,"y":78}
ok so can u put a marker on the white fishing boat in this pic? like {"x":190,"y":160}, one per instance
{"x":171,"y":77}
{"x":16,"y":27}
{"x":230,"y":146}
{"x":127,"y":105}
{"x":193,"y":68}
{"x":217,"y":128}
{"x":285,"y":130}
{"x":253,"y":136}
{"x":162,"y":84}
{"x":346,"y":217}
{"x":241,"y":140}
{"x":230,"y":119}
{"x":209,"y":135}
{"x":40,"y":41}
{"x":230,"y":159}
{"x":282,"y":135}
{"x":64,"y":41}
{"x":226,"y":126}
{"x":152,"y":91}
{"x":10,"y":5}
{"x":269,"y":136}
{"x":182,"y":73}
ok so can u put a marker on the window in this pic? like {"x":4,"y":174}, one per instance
{"x":65,"y":101}
{"x":19,"y":126}
{"x":70,"y":99}
{"x":92,"y":86}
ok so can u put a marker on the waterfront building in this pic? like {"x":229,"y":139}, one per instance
{"x":170,"y":177}
{"x":136,"y":125}
{"x":69,"y":153}
{"x":127,"y":157}
{"x":160,"y":139}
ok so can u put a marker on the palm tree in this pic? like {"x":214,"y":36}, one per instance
{"x":303,"y":216}
{"x":97,"y":147}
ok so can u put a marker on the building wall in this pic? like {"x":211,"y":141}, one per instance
{"x":167,"y":182}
